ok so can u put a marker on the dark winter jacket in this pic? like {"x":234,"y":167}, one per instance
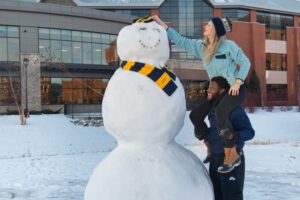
{"x":241,"y":126}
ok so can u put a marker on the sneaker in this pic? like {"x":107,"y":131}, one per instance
{"x":226,"y":168}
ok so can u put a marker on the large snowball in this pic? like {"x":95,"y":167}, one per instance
{"x":136,"y":110}
{"x":168,"y":172}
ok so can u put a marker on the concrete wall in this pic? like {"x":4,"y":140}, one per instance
{"x":31,"y":82}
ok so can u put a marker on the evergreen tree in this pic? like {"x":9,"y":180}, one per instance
{"x":254,"y":83}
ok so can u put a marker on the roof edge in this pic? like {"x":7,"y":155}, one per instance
{"x":121,"y":5}
{"x":255,"y":7}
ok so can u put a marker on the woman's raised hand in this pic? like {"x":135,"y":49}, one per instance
{"x":159,"y":21}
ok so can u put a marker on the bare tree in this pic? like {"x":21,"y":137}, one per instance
{"x":20,"y":108}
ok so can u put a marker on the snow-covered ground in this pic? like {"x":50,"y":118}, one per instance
{"x":50,"y":158}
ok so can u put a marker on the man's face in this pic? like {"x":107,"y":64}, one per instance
{"x":213,"y":91}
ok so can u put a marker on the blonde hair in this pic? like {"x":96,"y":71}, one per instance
{"x":211,"y":47}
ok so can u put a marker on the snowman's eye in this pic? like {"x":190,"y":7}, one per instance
{"x":156,"y":29}
{"x":142,"y":28}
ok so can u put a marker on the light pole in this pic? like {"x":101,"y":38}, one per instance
{"x":26,"y":62}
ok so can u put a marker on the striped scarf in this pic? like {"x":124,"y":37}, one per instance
{"x":163,"y":78}
{"x":146,"y":19}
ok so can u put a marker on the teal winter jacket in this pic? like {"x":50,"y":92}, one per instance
{"x":223,"y":63}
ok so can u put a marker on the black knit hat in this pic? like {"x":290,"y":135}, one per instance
{"x":222,"y":25}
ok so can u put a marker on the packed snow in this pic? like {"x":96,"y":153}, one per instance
{"x":145,"y":119}
{"x":51,"y":158}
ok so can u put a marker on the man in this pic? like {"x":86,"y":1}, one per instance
{"x":227,"y":186}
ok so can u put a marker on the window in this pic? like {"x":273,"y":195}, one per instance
{"x":7,"y":97}
{"x":194,"y":91}
{"x":275,"y":24}
{"x":87,"y":53}
{"x":55,"y":51}
{"x":72,"y":90}
{"x":236,"y":14}
{"x":277,"y":62}
{"x":75,"y":47}
{"x":133,"y":12}
{"x":186,"y":17}
{"x":76,"y":50}
{"x":277,"y":92}
{"x":13,"y":49}
{"x":44,"y":33}
{"x":9,"y":43}
{"x":66,"y":51}
{"x":3,"y":49}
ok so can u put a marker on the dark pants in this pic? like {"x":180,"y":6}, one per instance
{"x":227,"y":186}
{"x":197,"y":117}
{"x":226,"y":105}
{"x":223,"y":108}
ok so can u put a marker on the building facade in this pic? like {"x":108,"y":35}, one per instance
{"x":71,"y":47}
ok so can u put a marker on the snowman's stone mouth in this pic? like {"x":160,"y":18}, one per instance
{"x":150,"y":47}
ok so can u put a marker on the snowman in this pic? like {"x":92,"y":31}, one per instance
{"x":144,"y":109}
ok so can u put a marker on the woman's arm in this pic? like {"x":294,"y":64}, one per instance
{"x":240,"y":59}
{"x":193,"y":46}
{"x":238,"y":56}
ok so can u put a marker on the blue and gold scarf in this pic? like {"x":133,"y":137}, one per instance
{"x":163,"y":78}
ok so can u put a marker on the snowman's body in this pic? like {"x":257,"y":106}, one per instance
{"x":147,"y":164}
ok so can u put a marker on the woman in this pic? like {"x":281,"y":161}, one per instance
{"x":221,"y":57}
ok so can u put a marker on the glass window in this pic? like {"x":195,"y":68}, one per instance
{"x":103,"y":54}
{"x":44,"y":49}
{"x":66,"y":35}
{"x":194,"y":93}
{"x":45,"y":90}
{"x":3,"y":32}
{"x":3,"y":49}
{"x":277,"y":92}
{"x":76,"y":35}
{"x":97,"y":53}
{"x":87,"y":53}
{"x":44,"y":33}
{"x":276,"y":62}
{"x":186,"y":17}
{"x":77,"y":52}
{"x":96,"y":37}
{"x":113,"y":38}
{"x":66,"y":51}
{"x":12,"y":31}
{"x":7,"y":97}
{"x":86,"y":37}
{"x":56,"y":91}
{"x":13,"y":51}
{"x":55,"y":34}
{"x":236,"y":14}
{"x":275,"y":24}
{"x":55,"y":51}
{"x":105,"y":38}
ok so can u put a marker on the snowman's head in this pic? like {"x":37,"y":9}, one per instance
{"x":145,"y":43}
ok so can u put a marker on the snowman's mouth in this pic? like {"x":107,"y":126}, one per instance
{"x":149,"y":47}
